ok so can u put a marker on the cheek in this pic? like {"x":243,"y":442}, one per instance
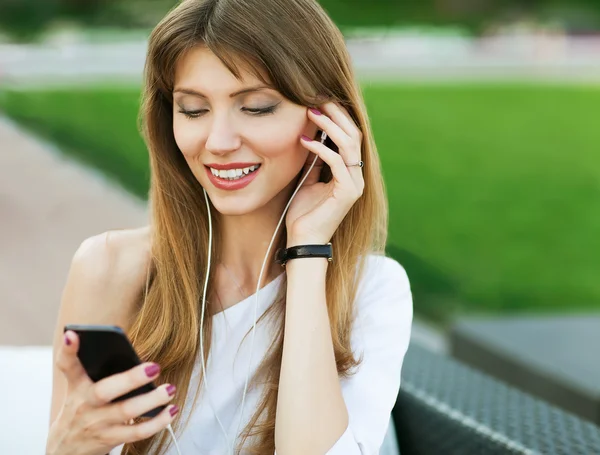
{"x":188,"y":138}
{"x":281,"y":141}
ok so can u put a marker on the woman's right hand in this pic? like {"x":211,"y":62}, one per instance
{"x":88,"y":423}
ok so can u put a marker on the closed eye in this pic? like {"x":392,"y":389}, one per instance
{"x":262,"y":111}
{"x":256,"y":112}
{"x":193,"y":114}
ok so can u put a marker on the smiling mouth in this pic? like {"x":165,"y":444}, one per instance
{"x":234,"y":174}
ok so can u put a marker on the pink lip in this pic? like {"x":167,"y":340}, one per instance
{"x":231,"y":185}
{"x":226,"y":167}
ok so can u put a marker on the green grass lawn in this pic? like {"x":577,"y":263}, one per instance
{"x":96,"y":125}
{"x":494,"y":189}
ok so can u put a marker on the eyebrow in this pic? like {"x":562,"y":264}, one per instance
{"x":189,"y":91}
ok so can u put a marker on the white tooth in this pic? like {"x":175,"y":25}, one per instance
{"x":246,"y":170}
{"x":252,"y":168}
{"x":231,"y":173}
{"x":214,"y":171}
{"x":238,"y":172}
{"x":223,"y":174}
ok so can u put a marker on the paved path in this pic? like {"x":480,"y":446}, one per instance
{"x":48,"y":206}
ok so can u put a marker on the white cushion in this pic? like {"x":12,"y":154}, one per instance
{"x":25,"y":392}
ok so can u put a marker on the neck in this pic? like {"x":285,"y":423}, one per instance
{"x":246,"y":238}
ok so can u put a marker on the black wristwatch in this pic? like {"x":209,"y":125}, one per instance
{"x":304,"y":251}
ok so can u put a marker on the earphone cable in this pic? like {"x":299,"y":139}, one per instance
{"x":323,"y":138}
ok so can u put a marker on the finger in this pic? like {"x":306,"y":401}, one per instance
{"x":132,"y":408}
{"x":315,"y":171}
{"x":309,"y":161}
{"x":349,"y":148}
{"x":67,"y":360}
{"x":116,"y":385}
{"x":333,"y":160}
{"x":144,"y":429}
{"x":340,"y":115}
{"x":337,"y":134}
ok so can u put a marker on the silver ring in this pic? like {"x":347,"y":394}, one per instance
{"x":359,"y":164}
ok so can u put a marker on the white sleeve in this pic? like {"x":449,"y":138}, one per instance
{"x":117,"y":450}
{"x":382,"y":335}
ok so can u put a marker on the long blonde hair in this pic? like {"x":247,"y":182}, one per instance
{"x":304,"y":56}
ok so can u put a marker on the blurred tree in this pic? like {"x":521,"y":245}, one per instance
{"x":572,"y":15}
{"x":84,"y":10}
{"x":24,"y":19}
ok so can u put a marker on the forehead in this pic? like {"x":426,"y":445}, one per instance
{"x":200,"y":68}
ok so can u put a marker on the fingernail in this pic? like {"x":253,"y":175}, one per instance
{"x":306,"y":138}
{"x":171,"y":390}
{"x":67,"y":341}
{"x":174,"y":410}
{"x":315,"y":111}
{"x":152,"y":370}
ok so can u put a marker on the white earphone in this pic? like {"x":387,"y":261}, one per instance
{"x":232,"y":448}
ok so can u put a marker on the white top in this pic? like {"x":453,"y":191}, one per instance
{"x":382,"y":333}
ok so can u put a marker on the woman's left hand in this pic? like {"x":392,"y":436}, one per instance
{"x":318,"y":208}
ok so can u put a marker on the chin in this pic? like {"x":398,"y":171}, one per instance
{"x":227,"y":210}
{"x":234,"y":205}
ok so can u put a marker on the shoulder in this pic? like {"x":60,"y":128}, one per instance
{"x":384,"y":297}
{"x":106,"y":256}
{"x":383,"y":275}
{"x":107,"y":274}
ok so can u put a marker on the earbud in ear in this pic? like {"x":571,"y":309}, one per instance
{"x":323,"y":137}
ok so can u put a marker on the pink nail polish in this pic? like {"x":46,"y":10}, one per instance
{"x":306,"y":138}
{"x":171,"y":390}
{"x":152,"y":370}
{"x":315,"y":111}
{"x":174,"y":410}
{"x":67,"y":341}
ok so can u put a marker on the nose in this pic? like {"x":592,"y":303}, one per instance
{"x":222,"y":137}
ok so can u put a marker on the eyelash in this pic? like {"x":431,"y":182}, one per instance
{"x":256,"y":112}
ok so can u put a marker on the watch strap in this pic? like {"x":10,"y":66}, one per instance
{"x":304,"y":251}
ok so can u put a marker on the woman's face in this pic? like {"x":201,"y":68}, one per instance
{"x":219,"y":120}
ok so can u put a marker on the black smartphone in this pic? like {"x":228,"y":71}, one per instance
{"x":105,"y":350}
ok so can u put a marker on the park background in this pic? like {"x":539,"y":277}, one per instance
{"x":485,"y":114}
{"x":493,"y":182}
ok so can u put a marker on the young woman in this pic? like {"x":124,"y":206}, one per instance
{"x":238,"y":94}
